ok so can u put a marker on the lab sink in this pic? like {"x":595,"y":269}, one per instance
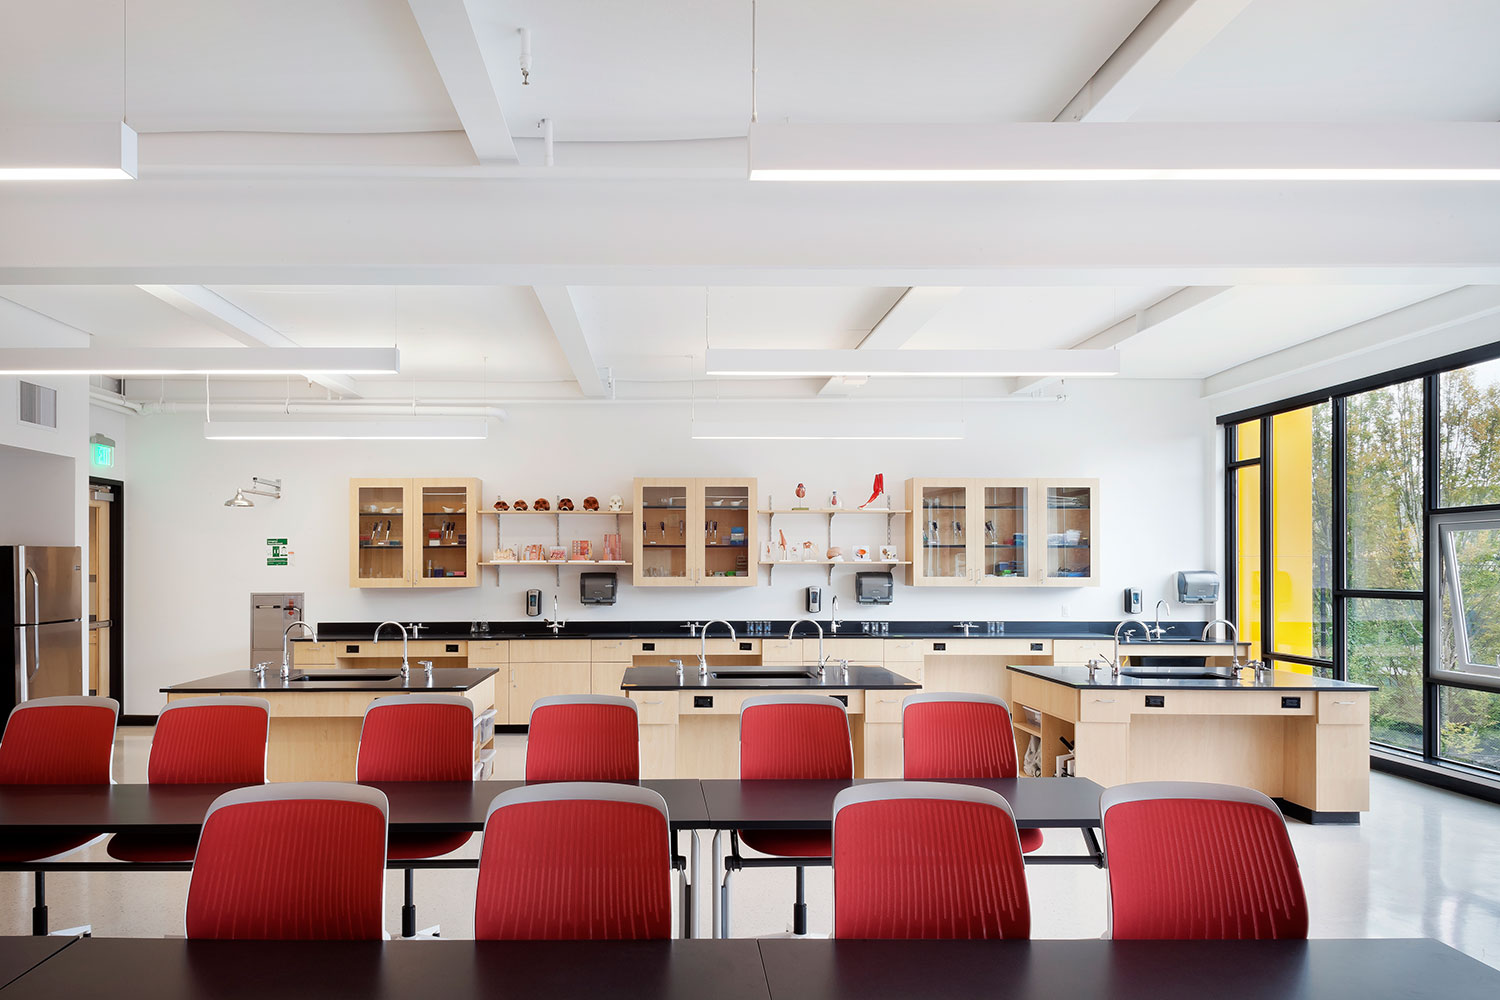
{"x":1178,"y":673}
{"x":349,"y":675}
{"x":767,"y":673}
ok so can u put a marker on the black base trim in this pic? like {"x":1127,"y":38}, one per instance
{"x":1314,"y":817}
{"x":1446,"y":778}
{"x":137,"y":720}
{"x":516,"y":730}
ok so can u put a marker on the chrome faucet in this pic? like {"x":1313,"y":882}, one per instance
{"x":416,"y":630}
{"x":286,"y":647}
{"x":965,"y":626}
{"x":405,"y":667}
{"x":1114,"y":666}
{"x":817,"y":626}
{"x":428,"y":665}
{"x":259,"y":670}
{"x":692,"y":628}
{"x":1158,"y":631}
{"x":1234,"y":637}
{"x":703,"y":643}
{"x":833,"y":621}
{"x":555,"y":623}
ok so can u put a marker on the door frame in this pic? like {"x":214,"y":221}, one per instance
{"x":117,"y":598}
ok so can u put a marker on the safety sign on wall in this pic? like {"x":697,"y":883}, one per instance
{"x":277,"y":552}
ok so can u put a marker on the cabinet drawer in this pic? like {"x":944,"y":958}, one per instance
{"x":910,"y":669}
{"x":781,"y":650}
{"x":549,"y":650}
{"x":902,"y":649}
{"x":489,"y":651}
{"x":655,"y":708}
{"x":1076,"y":651}
{"x":438,"y":647}
{"x":884,"y":706}
{"x":1343,"y":708}
{"x":303,"y":652}
{"x":1104,"y":706}
{"x":611,"y":650}
{"x":867,"y":652}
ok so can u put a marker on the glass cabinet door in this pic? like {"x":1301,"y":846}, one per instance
{"x":942,"y":530}
{"x":1070,"y":522}
{"x":379,"y":543}
{"x":727,"y":532}
{"x":446,"y":549}
{"x":1004,"y":549}
{"x":664,"y":530}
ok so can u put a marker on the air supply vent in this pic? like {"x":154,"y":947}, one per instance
{"x":38,"y":405}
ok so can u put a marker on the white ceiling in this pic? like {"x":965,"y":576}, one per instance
{"x":650,"y":70}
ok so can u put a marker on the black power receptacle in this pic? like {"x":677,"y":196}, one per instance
{"x":1156,"y":701}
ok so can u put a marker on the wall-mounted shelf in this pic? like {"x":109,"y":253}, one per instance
{"x":890,"y":513}
{"x":834,"y":510}
{"x":771,"y":564}
{"x":555,"y":513}
{"x":556,"y":517}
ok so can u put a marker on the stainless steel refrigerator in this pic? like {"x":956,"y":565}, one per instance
{"x":41,"y":622}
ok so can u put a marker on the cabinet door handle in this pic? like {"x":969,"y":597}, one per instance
{"x":1345,"y":703}
{"x":1104,"y":701}
{"x":650,"y":703}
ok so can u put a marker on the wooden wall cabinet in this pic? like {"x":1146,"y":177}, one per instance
{"x":414,"y":533}
{"x":687,"y":533}
{"x":1002,"y":532}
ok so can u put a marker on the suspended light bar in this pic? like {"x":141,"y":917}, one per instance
{"x":1133,"y":151}
{"x":912,"y":363}
{"x":89,"y":151}
{"x":414,"y":429}
{"x":201,"y":361}
{"x":827,"y":430}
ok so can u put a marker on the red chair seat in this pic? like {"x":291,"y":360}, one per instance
{"x":414,"y":846}
{"x":133,"y":846}
{"x":23,"y":847}
{"x":790,"y":843}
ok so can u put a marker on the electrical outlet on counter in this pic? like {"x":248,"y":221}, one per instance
{"x":1065,"y":612}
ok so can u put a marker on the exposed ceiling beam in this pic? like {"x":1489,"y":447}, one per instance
{"x":1168,"y":36}
{"x":214,"y":310}
{"x":468,"y":75}
{"x":1127,"y":329}
{"x":562,"y":312}
{"x":1421,"y":319}
{"x":23,"y":326}
{"x":907,"y":315}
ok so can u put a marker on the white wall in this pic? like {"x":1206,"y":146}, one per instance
{"x":192,"y":562}
{"x":36,"y":494}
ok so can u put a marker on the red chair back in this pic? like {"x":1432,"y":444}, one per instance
{"x":803,"y":736}
{"x":919,"y":859}
{"x":590,"y":737}
{"x":1190,"y":860}
{"x":417,"y":737}
{"x":68,"y":740}
{"x":210,"y":741}
{"x":956,"y":736}
{"x":575,"y":861}
{"x":298,"y":861}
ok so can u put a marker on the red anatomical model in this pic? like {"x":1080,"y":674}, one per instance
{"x":875,"y":490}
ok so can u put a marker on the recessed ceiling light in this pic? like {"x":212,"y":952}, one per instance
{"x":912,"y":363}
{"x":200,"y":361}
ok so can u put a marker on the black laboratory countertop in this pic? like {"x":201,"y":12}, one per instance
{"x":859,"y":678}
{"x":246,"y":682}
{"x":753,"y":629}
{"x":1280,"y":680}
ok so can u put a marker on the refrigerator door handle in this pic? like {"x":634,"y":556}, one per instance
{"x":23,"y":675}
{"x":36,"y":598}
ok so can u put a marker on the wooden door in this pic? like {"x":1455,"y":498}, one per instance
{"x":665,"y":541}
{"x":443,"y":525}
{"x":379,"y":554}
{"x":728,"y":532}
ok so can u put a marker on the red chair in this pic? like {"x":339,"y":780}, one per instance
{"x":959,"y":736}
{"x":217,"y":741}
{"x":68,"y":740}
{"x":569,"y":861}
{"x":418,"y":737}
{"x":1189,"y":860}
{"x":927,"y":859}
{"x":789,"y":736}
{"x":294,"y":860}
{"x":587,"y":737}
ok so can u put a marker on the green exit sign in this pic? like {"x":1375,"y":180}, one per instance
{"x":103,"y":451}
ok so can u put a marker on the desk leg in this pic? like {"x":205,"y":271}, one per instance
{"x":689,"y":895}
{"x":1092,"y":840}
{"x":713,"y":885}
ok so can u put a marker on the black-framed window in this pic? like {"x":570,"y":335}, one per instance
{"x":1409,"y":597}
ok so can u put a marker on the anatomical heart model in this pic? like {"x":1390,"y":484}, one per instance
{"x":875,"y":490}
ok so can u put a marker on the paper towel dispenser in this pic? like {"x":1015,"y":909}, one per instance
{"x":596,"y":588}
{"x":873,"y":588}
{"x":1197,"y":586}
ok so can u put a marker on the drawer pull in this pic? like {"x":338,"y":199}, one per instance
{"x":1345,"y":703}
{"x":650,"y":703}
{"x":1104,"y":701}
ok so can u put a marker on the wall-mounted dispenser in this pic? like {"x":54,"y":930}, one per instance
{"x":1197,"y":586}
{"x":597,"y":588}
{"x":1132,"y":600}
{"x":814,"y":600}
{"x":533,"y":603}
{"x":873,"y":588}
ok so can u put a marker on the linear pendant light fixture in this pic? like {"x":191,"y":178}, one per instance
{"x":88,"y":151}
{"x":1128,"y":151}
{"x":825,"y":429}
{"x":413,"y":429}
{"x":200,"y":361}
{"x":912,"y":363}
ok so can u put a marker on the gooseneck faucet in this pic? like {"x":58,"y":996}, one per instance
{"x":1234,"y":637}
{"x":555,"y":623}
{"x":1158,"y":631}
{"x":817,"y":626}
{"x":405,"y":666}
{"x":286,"y":647}
{"x":703,"y":644}
{"x":1115,"y":665}
{"x":834,"y":621}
